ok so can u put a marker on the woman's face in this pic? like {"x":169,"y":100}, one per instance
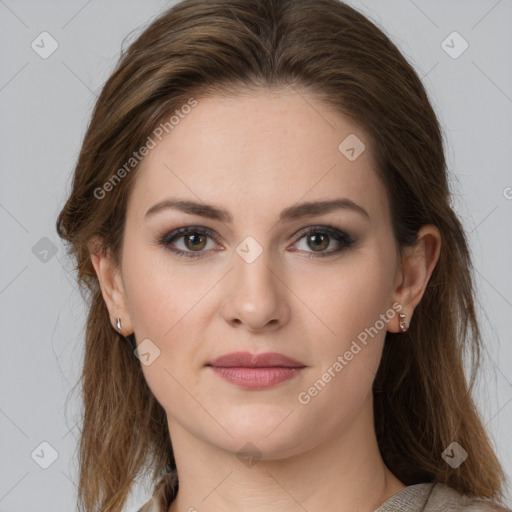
{"x":315,"y":284}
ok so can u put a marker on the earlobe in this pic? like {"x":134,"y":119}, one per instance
{"x":112,"y":289}
{"x":418,"y":263}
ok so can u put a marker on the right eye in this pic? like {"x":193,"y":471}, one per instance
{"x":194,"y":239}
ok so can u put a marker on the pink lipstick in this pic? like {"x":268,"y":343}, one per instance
{"x":255,"y":371}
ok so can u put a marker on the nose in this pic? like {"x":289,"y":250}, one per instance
{"x":255,"y":296}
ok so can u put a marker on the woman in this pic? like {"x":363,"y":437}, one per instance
{"x":280,"y":292}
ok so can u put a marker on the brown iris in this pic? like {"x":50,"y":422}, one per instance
{"x":194,"y":242}
{"x":320,"y":241}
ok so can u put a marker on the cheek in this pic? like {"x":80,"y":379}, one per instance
{"x":349,"y":299}
{"x":347,"y":354}
{"x":353,"y":304}
{"x":163,"y":303}
{"x":167,"y":301}
{"x":161,"y":294}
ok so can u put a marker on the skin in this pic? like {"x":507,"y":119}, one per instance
{"x":255,"y":154}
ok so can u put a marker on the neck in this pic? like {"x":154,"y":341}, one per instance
{"x":345,"y":471}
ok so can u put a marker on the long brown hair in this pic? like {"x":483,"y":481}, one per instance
{"x":326,"y":48}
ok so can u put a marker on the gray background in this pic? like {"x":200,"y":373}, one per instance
{"x":44,"y":110}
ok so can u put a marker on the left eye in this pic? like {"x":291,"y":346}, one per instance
{"x":319,"y":238}
{"x":317,"y":241}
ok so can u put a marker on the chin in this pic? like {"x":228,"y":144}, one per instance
{"x":271,"y":440}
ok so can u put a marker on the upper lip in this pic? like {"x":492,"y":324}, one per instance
{"x":246,"y":359}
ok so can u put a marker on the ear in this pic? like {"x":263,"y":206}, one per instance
{"x":112,"y":289}
{"x":416,"y":267}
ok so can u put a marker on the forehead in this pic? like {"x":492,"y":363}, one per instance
{"x":254,"y":150}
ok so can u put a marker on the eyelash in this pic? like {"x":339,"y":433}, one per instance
{"x":340,"y":236}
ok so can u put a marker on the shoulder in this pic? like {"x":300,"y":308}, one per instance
{"x":443,"y":498}
{"x":436,"y":497}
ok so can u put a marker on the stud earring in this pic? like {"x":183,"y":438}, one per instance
{"x":403,"y":325}
{"x":118,"y":325}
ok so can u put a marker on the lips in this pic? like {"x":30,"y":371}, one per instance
{"x":248,"y":360}
{"x":255,"y":371}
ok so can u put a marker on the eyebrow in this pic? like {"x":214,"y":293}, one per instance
{"x":308,"y":209}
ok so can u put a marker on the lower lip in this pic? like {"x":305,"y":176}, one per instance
{"x":255,"y":378}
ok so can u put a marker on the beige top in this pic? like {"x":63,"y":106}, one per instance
{"x":425,"y":497}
